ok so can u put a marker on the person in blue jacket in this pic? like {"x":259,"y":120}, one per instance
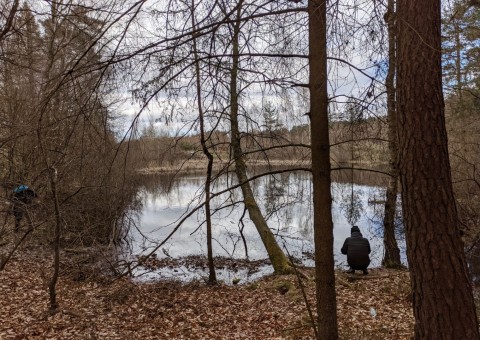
{"x":22,"y":197}
{"x":357,"y":249}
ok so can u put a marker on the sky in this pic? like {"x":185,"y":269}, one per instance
{"x":147,"y":23}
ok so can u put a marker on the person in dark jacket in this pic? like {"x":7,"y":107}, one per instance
{"x":357,"y":249}
{"x":22,"y":197}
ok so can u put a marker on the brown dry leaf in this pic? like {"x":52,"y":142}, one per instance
{"x":170,"y":310}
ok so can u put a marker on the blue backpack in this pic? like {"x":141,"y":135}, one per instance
{"x":20,"y":188}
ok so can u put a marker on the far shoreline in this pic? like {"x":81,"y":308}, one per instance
{"x":197,"y":165}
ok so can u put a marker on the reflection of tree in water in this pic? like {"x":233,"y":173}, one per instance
{"x":351,"y":205}
{"x":473,"y":259}
{"x":287,"y":203}
{"x":376,"y":208}
{"x":274,"y":191}
{"x":376,"y":199}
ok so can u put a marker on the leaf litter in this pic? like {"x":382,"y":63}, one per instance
{"x":270,"y":308}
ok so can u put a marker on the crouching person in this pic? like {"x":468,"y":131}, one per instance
{"x":22,"y":197}
{"x":357,"y":249}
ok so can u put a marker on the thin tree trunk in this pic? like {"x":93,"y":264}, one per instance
{"x":458,"y":61}
{"x":279,"y":261}
{"x":212,"y":278}
{"x":322,"y":197}
{"x":442,"y":293}
{"x":56,"y":243}
{"x":391,"y":257}
{"x":459,"y":108}
{"x":44,"y":149}
{"x":10,"y":18}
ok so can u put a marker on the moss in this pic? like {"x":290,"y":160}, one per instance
{"x":283,"y":287}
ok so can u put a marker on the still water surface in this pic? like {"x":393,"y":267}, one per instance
{"x":286,"y":201}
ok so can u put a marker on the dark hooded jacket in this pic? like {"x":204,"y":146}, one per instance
{"x":357,"y":249}
{"x":23,"y":195}
{"x":21,"y":198}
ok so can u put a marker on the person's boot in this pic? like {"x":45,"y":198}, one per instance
{"x":365,"y":272}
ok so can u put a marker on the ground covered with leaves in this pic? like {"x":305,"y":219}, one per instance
{"x":273,"y":308}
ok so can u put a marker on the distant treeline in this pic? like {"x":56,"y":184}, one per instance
{"x":360,"y":143}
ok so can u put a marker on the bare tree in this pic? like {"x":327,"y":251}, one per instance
{"x":55,"y":131}
{"x":279,"y":261}
{"x":230,"y":69}
{"x":212,"y":279}
{"x":8,"y":15}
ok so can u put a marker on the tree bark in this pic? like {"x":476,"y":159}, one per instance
{"x":322,"y":198}
{"x":442,"y":293}
{"x":212,"y":277}
{"x":52,"y":286}
{"x":391,"y":258}
{"x":280,"y":262}
{"x":9,"y":22}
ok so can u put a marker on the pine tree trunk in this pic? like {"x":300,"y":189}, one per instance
{"x":391,"y":257}
{"x":322,"y":198}
{"x":442,"y":293}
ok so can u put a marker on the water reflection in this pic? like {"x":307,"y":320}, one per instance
{"x":473,"y":258}
{"x":285,"y":200}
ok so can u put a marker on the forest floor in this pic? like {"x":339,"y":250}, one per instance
{"x":377,"y":306}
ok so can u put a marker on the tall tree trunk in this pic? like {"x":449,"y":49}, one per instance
{"x":212,"y":278}
{"x":279,"y":261}
{"x":459,"y":107}
{"x":44,"y":147}
{"x":322,"y":197}
{"x":391,"y":257}
{"x":458,"y":61}
{"x":52,"y":286}
{"x":442,"y":292}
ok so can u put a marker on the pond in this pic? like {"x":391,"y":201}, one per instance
{"x":286,"y":202}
